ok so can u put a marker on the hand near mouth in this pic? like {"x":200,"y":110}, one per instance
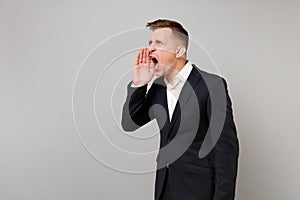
{"x":143,"y":69}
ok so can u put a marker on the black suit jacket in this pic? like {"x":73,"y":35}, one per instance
{"x":199,"y":146}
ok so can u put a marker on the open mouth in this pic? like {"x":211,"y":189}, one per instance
{"x":154,"y":60}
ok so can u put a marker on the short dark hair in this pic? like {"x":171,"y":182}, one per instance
{"x":176,"y":27}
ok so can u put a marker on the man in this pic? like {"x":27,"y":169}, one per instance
{"x":199,"y":146}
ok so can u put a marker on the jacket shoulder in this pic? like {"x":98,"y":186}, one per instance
{"x":209,"y":78}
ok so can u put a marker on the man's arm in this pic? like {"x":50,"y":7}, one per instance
{"x":136,"y":108}
{"x":137,"y":105}
{"x":226,"y":150}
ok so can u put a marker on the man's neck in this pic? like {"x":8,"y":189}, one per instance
{"x":175,"y":70}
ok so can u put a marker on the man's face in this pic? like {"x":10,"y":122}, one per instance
{"x":162,"y":47}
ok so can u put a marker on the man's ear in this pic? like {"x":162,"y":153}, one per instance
{"x":180,"y":51}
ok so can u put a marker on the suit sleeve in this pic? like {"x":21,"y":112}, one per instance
{"x":136,"y":108}
{"x":226,"y":150}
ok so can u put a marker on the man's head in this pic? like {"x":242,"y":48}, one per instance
{"x":168,"y":45}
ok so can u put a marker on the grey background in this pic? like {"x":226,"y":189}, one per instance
{"x":255,"y":44}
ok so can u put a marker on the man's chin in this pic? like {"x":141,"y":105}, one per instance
{"x":158,"y":73}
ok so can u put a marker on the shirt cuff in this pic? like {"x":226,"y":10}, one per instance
{"x":135,"y":86}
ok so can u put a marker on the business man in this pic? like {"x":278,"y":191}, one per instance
{"x":198,"y":154}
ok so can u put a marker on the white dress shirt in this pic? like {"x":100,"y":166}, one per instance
{"x":174,"y":88}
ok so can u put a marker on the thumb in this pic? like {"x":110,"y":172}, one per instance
{"x":151,"y":67}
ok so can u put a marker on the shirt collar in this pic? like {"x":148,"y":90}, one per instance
{"x":181,"y":76}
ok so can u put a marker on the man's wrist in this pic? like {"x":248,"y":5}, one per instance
{"x":135,"y":85}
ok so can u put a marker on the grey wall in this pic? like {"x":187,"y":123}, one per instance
{"x":255,"y":45}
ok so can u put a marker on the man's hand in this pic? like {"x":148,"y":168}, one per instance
{"x":143,"y":69}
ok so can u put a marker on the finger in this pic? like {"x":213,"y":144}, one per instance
{"x":148,"y":57}
{"x":137,"y":59}
{"x":144,"y":55}
{"x":141,"y":56}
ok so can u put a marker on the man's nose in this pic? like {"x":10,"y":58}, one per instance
{"x":151,"y":48}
